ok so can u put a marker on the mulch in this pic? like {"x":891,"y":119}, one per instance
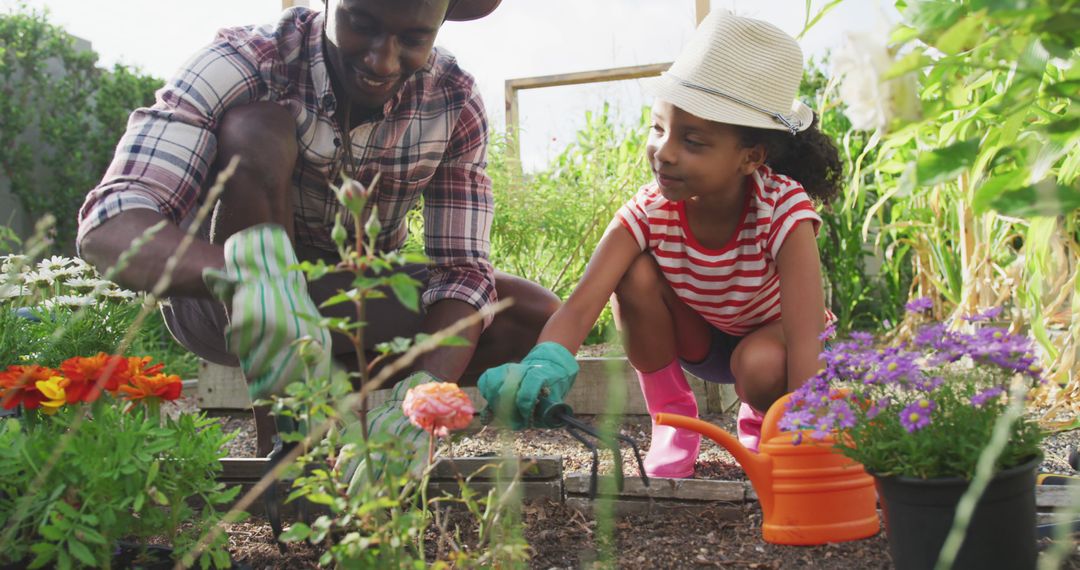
{"x":561,"y":537}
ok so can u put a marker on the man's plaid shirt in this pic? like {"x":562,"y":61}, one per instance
{"x":430,"y":141}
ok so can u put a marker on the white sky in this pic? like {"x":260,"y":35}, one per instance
{"x":522,"y":38}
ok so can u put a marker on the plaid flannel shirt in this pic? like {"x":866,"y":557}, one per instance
{"x":430,"y":141}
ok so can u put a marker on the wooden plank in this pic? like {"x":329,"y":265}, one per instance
{"x":222,"y":388}
{"x":551,"y":490}
{"x":592,"y":76}
{"x":243,"y":468}
{"x":674,"y":489}
{"x":601,"y":380}
{"x":487,"y":468}
{"x":622,"y":507}
{"x":701,"y":9}
{"x":1052,"y":497}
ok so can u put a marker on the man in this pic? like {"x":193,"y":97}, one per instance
{"x":352,"y":91}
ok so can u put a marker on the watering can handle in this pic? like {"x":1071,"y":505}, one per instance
{"x":770,"y":426}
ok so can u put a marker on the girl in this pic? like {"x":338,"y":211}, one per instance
{"x":714,"y":265}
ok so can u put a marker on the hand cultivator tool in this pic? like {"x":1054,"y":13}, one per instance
{"x":559,"y":414}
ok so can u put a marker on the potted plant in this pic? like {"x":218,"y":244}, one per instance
{"x":918,"y":416}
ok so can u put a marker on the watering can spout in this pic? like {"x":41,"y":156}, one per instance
{"x":758,"y":466}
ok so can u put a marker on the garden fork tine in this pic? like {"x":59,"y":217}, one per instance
{"x":594,"y":474}
{"x":573,"y":425}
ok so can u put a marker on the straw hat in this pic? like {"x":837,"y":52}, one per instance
{"x":464,"y":10}
{"x":738,"y":71}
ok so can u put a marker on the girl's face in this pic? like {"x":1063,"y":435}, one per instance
{"x":693,"y":157}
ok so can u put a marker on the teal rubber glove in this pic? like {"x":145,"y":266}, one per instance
{"x":268,"y":301}
{"x":389,"y":418}
{"x":547,"y":372}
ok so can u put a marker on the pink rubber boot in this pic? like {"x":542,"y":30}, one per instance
{"x":673,"y":452}
{"x":749,"y":426}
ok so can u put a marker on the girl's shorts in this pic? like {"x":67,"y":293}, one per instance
{"x":716,"y":367}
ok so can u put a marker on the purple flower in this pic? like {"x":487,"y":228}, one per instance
{"x":920,"y":305}
{"x":986,"y":315}
{"x":916,"y":415}
{"x":840,"y":415}
{"x":978,"y":400}
{"x":829,"y":332}
{"x":863,"y":338}
{"x":878,"y":407}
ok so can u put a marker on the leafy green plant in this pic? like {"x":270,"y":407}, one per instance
{"x":982,"y":174}
{"x":377,"y":514}
{"x":60,"y":306}
{"x":79,"y":473}
{"x":923,"y":409}
{"x":548,"y":223}
{"x":62,"y":116}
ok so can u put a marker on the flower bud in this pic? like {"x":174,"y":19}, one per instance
{"x":338,"y":234}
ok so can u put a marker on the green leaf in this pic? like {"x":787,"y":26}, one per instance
{"x":296,"y":533}
{"x":343,"y":297}
{"x":1046,"y":198}
{"x":915,"y":60}
{"x":406,"y":291}
{"x":962,"y":36}
{"x":995,"y":186}
{"x":45,"y":552}
{"x":932,"y":15}
{"x":946,"y":163}
{"x":50,"y":532}
{"x":454,"y":341}
{"x":82,"y":553}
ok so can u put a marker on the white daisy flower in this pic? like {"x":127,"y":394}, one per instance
{"x":118,"y":294}
{"x":88,"y":283}
{"x":12,"y":291}
{"x":39,"y":277}
{"x":54,"y":263}
{"x":73,"y":300}
{"x":10,"y":263}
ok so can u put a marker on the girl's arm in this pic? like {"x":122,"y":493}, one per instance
{"x":802,"y":303}
{"x":571,"y":323}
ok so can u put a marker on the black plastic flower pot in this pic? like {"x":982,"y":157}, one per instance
{"x":919,"y":514}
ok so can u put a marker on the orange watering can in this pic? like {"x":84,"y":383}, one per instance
{"x":809,"y":493}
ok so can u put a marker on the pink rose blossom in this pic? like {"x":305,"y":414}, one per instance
{"x":438,"y":407}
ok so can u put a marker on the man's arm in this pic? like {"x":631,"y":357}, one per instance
{"x":104,"y":245}
{"x":458,"y":210}
{"x":162,"y":167}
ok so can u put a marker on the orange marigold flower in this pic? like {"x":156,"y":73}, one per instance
{"x":89,"y":375}
{"x":163,"y":386}
{"x":438,"y":407}
{"x":18,"y":385}
{"x":140,"y":366}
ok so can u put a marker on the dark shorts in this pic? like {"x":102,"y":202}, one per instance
{"x":716,"y":367}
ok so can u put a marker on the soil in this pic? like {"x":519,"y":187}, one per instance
{"x":560,"y":537}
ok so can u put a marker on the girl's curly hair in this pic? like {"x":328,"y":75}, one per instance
{"x":809,"y":157}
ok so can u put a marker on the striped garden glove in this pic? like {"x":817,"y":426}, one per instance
{"x":389,"y":418}
{"x":267,"y":302}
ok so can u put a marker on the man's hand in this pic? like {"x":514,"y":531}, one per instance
{"x":270,"y":311}
{"x":548,"y":371}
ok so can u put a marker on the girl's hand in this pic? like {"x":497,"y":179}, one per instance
{"x":513,"y":390}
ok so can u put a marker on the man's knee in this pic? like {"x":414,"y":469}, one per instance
{"x":533,"y":304}
{"x":263,"y":136}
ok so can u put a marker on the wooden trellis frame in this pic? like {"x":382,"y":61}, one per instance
{"x":513,"y":86}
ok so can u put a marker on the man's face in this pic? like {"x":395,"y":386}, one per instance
{"x":374,"y":45}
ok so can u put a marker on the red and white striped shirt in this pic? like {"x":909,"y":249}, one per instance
{"x":736,"y":288}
